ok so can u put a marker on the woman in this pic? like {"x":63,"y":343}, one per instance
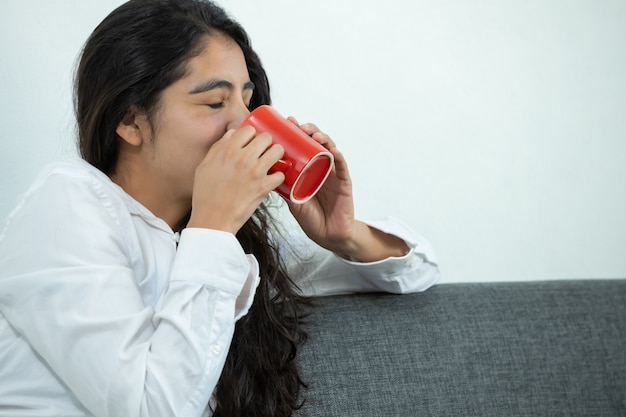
{"x":148,"y":279}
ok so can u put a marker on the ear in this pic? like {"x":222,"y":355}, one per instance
{"x":133,"y":128}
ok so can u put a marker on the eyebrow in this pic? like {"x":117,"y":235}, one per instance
{"x":215,"y":84}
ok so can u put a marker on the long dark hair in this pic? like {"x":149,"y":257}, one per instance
{"x":131,"y":57}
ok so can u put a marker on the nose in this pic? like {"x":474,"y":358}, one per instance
{"x":239,"y":114}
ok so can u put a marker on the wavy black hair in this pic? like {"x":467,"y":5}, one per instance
{"x":131,"y":57}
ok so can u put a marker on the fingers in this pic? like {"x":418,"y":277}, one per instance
{"x":236,"y":170}
{"x":240,"y":137}
{"x":341,"y":166}
{"x":258,"y":145}
{"x":252,"y":146}
{"x":313,"y":131}
{"x":324,"y":140}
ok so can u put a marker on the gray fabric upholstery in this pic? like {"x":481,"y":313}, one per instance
{"x":555,"y":348}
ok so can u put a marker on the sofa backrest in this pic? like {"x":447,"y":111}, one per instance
{"x":555,"y":348}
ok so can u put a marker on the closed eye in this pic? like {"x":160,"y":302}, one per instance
{"x":216,"y":105}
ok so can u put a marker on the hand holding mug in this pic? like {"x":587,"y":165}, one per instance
{"x":232,"y":180}
{"x":306,"y":164}
{"x":317,"y":183}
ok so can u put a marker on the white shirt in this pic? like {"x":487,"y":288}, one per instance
{"x":102,"y":315}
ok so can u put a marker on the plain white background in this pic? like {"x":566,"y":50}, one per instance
{"x":497,"y":129}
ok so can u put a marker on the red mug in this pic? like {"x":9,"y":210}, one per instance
{"x":306,"y":164}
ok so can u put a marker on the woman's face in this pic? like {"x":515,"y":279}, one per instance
{"x":192,"y":114}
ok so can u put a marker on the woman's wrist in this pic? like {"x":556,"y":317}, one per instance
{"x":370,"y":245}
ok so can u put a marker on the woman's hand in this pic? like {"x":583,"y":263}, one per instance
{"x":328,"y":218}
{"x":233,"y":179}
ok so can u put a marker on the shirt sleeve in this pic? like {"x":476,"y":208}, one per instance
{"x":319,"y":272}
{"x":211,"y":286}
{"x":67,"y":287}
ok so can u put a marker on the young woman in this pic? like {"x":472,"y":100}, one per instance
{"x":148,"y":279}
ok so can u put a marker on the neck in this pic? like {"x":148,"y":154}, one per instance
{"x":152,"y":195}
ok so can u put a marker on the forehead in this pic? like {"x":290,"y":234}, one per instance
{"x":219,"y":57}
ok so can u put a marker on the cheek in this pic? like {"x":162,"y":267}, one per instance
{"x":210,"y":130}
{"x":193,"y":130}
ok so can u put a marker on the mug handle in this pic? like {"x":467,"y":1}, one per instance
{"x":281,"y":165}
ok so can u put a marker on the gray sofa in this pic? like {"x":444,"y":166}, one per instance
{"x":553,"y":348}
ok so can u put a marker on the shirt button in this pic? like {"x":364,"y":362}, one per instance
{"x":216,"y":349}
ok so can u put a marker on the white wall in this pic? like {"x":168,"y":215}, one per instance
{"x":497,"y":129}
